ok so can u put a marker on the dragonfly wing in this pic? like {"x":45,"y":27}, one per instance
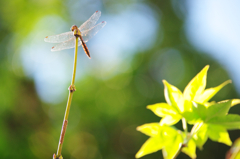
{"x":66,"y":45}
{"x":59,"y":38}
{"x":88,"y":34}
{"x":90,"y":22}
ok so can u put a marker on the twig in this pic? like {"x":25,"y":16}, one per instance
{"x":71,"y":90}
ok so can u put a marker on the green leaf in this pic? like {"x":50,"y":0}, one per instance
{"x":168,"y":132}
{"x":206,"y":113}
{"x":150,"y":129}
{"x":207,"y":104}
{"x":173,"y":96}
{"x":190,"y":149}
{"x":153,"y":144}
{"x":235,"y":102}
{"x":197,"y":85}
{"x":165,"y":135}
{"x":173,"y":146}
{"x":162,"y":109}
{"x":191,"y":117}
{"x":230,"y":121}
{"x":219,"y":109}
{"x":170,"y":120}
{"x":201,"y":136}
{"x":209,"y":93}
{"x":200,"y":110}
{"x":219,"y":133}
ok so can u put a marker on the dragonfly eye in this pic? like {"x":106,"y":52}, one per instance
{"x":73,"y":28}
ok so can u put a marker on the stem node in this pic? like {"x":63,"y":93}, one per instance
{"x":72,"y":88}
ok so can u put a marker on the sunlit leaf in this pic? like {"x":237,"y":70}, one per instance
{"x":190,"y":149}
{"x":170,"y":120}
{"x":235,"y":102}
{"x":192,"y":117}
{"x":230,"y":121}
{"x":173,"y":146}
{"x":206,"y":113}
{"x":200,"y":110}
{"x":207,"y":104}
{"x":210,"y":92}
{"x":201,"y":136}
{"x":150,"y":129}
{"x":173,"y":96}
{"x":219,"y":133}
{"x":162,"y":109}
{"x":197,"y":85}
{"x":153,"y":144}
{"x":168,"y":132}
{"x":187,"y":105}
{"x":218,"y":109}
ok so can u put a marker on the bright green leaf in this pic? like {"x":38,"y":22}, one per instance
{"x":197,"y":85}
{"x":190,"y":149}
{"x":173,"y":96}
{"x":219,"y":133}
{"x":209,"y":93}
{"x":200,"y":110}
{"x":206,"y":113}
{"x":207,"y":104}
{"x":168,"y":132}
{"x":162,"y":109}
{"x":156,"y":142}
{"x":173,"y":146}
{"x":153,"y":144}
{"x":170,"y":120}
{"x":187,"y":106}
{"x":235,"y":102}
{"x":219,"y":109}
{"x":201,"y":136}
{"x":150,"y":129}
{"x":230,"y":121}
{"x":191,"y":117}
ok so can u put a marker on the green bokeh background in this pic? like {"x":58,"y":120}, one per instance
{"x":104,"y":113}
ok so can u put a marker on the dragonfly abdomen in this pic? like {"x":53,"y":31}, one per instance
{"x":84,"y":47}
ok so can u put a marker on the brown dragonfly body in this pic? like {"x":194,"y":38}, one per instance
{"x":77,"y":33}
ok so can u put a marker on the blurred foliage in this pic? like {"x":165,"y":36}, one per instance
{"x":104,"y":113}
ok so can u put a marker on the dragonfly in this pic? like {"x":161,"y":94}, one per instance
{"x":87,"y":30}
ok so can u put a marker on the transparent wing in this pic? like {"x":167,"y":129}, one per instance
{"x":90,"y":22}
{"x":88,"y":34}
{"x":66,"y":45}
{"x":59,"y":38}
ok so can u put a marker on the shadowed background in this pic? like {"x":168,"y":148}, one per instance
{"x":143,"y":43}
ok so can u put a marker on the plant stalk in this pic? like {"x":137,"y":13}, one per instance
{"x":71,"y":90}
{"x":184,"y":124}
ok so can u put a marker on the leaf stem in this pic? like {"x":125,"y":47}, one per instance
{"x":71,"y":90}
{"x":195,"y":128}
{"x":184,"y":124}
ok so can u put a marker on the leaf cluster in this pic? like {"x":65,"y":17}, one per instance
{"x":209,"y":119}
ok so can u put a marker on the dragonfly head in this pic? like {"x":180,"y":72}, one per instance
{"x":74,"y":27}
{"x":75,"y":30}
